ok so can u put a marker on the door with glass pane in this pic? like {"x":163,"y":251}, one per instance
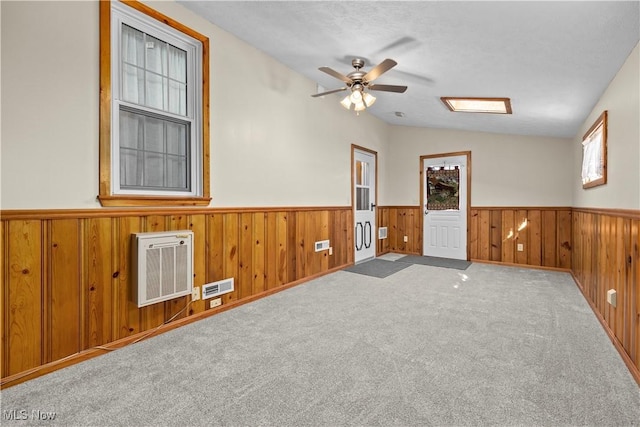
{"x":364,"y":191}
{"x":445,"y":206}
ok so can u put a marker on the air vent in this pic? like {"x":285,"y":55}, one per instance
{"x":382,"y":233}
{"x":322,"y":245}
{"x":163,"y":266}
{"x":220,"y":287}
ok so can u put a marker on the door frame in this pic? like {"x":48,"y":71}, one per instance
{"x":355,"y":147}
{"x":431,"y":156}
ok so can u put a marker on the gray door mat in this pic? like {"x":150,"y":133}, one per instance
{"x":458,"y":264}
{"x":377,"y":268}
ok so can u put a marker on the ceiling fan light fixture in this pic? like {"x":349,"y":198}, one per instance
{"x":346,"y":102}
{"x":368,"y":99}
{"x":478,"y":105}
{"x":360,"y":106}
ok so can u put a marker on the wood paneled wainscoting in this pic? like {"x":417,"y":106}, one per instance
{"x":545,"y":240}
{"x":606,"y":256}
{"x":67,"y":285}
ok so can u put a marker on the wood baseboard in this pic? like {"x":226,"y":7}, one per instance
{"x":100,"y":350}
{"x":511,"y":264}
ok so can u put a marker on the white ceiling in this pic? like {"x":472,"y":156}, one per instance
{"x":553,"y":59}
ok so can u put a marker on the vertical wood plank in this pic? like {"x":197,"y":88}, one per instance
{"x":563,"y":235}
{"x":523,"y":237}
{"x":350,"y":235}
{"x":98,"y":286}
{"x":128,"y":315}
{"x":301,"y":258}
{"x":245,"y":253}
{"x":271,"y":250}
{"x":323,"y":220}
{"x":231,"y":254}
{"x":635,"y":297}
{"x":473,"y":234}
{"x":24,"y":296}
{"x":281,"y":245}
{"x":535,"y":243}
{"x":393,"y":230}
{"x":259,"y":256}
{"x":198,"y":225}
{"x":4,"y":299}
{"x":484,"y":235}
{"x":508,"y":243}
{"x":496,"y":236}
{"x":64,"y":293}
{"x":292,"y":245}
{"x":549,"y":240}
{"x":215,"y":248}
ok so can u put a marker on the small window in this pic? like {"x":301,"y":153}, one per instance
{"x":594,"y":154}
{"x":154,"y":129}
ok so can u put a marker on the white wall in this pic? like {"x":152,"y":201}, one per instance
{"x":622,"y":101}
{"x":507,"y":170}
{"x":271,"y":143}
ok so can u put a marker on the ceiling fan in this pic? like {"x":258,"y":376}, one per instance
{"x":358,"y":81}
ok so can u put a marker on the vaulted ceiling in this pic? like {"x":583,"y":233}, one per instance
{"x":552,"y":59}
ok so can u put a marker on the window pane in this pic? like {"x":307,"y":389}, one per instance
{"x":176,"y":172}
{"x":132,"y":84}
{"x":131,"y":126}
{"x":362,"y":199}
{"x":155,"y":91}
{"x":156,"y":55}
{"x":132,"y":46}
{"x":153,"y":170}
{"x":177,"y":64}
{"x":177,"y":98}
{"x":130,"y":168}
{"x":154,"y":152}
{"x":362,"y":173}
{"x":154,"y":135}
{"x":176,"y":138}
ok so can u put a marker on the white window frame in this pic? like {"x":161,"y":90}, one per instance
{"x":122,"y":14}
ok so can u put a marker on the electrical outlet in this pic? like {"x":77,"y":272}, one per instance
{"x":520,"y":247}
{"x":195,"y":293}
{"x":406,"y":239}
{"x":215,"y":303}
{"x":330,"y":250}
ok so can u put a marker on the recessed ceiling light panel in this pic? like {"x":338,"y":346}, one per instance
{"x":478,"y":105}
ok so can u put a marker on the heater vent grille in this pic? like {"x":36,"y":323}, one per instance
{"x":382,"y":233}
{"x":220,"y":287}
{"x":163,"y":264}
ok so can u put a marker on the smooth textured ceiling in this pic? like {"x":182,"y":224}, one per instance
{"x":553,"y":59}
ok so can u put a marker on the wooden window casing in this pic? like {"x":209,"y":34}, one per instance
{"x":105,"y":196}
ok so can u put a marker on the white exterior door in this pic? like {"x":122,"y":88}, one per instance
{"x":364,"y":191}
{"x":445,"y":207}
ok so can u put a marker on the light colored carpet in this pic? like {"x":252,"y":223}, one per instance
{"x":425,"y":346}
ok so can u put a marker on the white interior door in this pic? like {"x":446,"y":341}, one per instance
{"x":445,"y":207}
{"x":364,"y":181}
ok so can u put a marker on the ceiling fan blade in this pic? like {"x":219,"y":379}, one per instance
{"x":328,"y":92}
{"x":379,"y":69}
{"x":335,"y":74}
{"x":388,"y":88}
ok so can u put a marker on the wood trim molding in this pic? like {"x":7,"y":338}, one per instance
{"x":523,"y":208}
{"x":512,"y":264}
{"x":97,"y":351}
{"x":623,"y":213}
{"x":20,"y":214}
{"x":104,"y":134}
{"x":400,"y":207}
{"x":633,"y":369}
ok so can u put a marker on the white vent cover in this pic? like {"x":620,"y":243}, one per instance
{"x":163,"y":266}
{"x":322,"y":245}
{"x":220,"y":287}
{"x":382,"y":233}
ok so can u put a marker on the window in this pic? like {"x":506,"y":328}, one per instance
{"x":594,"y":154}
{"x":154,"y":121}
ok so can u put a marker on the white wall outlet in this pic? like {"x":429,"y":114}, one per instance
{"x":612,"y":297}
{"x":520,"y":247}
{"x":330,"y":250}
{"x":406,"y":239}
{"x":216,"y":302}
{"x":195,"y":293}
